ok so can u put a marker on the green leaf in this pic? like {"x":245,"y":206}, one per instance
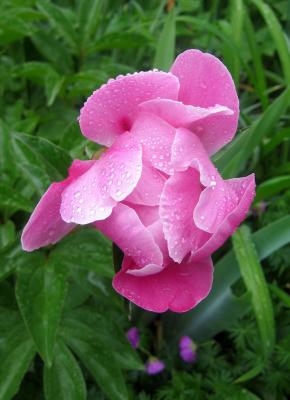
{"x":64,"y":380}
{"x":58,"y":17}
{"x":118,"y":40}
{"x":209,"y":317}
{"x":278,"y":36}
{"x":89,"y":16}
{"x":40,"y":293}
{"x":11,"y":199}
{"x":281,"y":294}
{"x":16,"y":353}
{"x":53,"y":50}
{"x":237,"y":21}
{"x":259,"y":81}
{"x":7,"y":166}
{"x":53,"y":85}
{"x":94,"y":341}
{"x":41,"y":160}
{"x":106,"y":332}
{"x":271,"y":187}
{"x":7,"y":233}
{"x":274,"y":141}
{"x":232,"y":159}
{"x":86,"y":249}
{"x":255,"y":282}
{"x":13,"y":257}
{"x":165,"y":49}
{"x":256,"y":370}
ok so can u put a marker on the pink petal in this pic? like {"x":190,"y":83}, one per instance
{"x":180,"y":115}
{"x":149,"y":188}
{"x":125,"y":229}
{"x":111,"y":179}
{"x":178,"y":200}
{"x":156,"y":137}
{"x":147,"y":214}
{"x":45,"y":225}
{"x":187,"y":150}
{"x":205,"y":82}
{"x":111,"y":109}
{"x":244,"y":190}
{"x":178,"y":288}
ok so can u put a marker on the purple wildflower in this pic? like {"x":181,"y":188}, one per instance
{"x":154,"y":366}
{"x":187,"y":349}
{"x":133,"y":337}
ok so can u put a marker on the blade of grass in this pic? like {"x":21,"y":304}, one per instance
{"x":233,"y":158}
{"x":166,"y":44}
{"x":271,"y":187}
{"x":278,"y":36}
{"x":260,"y":79}
{"x":255,"y":282}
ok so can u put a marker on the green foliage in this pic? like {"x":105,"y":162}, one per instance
{"x":62,"y":328}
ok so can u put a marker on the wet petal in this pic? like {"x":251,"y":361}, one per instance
{"x":45,"y":225}
{"x":110,"y":110}
{"x":149,"y":188}
{"x":111,"y":179}
{"x":156,"y":137}
{"x":178,"y":287}
{"x":125,"y":229}
{"x":178,"y":200}
{"x":205,"y":82}
{"x":244,"y":190}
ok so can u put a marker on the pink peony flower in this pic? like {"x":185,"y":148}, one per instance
{"x":155,"y":191}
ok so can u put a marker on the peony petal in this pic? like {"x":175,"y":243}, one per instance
{"x":244,"y":190}
{"x":177,"y":288}
{"x":111,"y":179}
{"x":147,"y":214}
{"x":112,"y":108}
{"x":45,"y":225}
{"x":187,"y":150}
{"x":149,"y":188}
{"x":125,"y":229}
{"x":178,"y":200}
{"x":180,"y":115}
{"x":205,"y":82}
{"x":156,"y":137}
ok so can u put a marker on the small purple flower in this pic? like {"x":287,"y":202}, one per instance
{"x":187,"y":349}
{"x":133,"y":337}
{"x":154,"y":366}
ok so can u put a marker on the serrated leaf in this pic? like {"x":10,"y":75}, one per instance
{"x":40,"y":293}
{"x":64,"y":380}
{"x":16,"y":353}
